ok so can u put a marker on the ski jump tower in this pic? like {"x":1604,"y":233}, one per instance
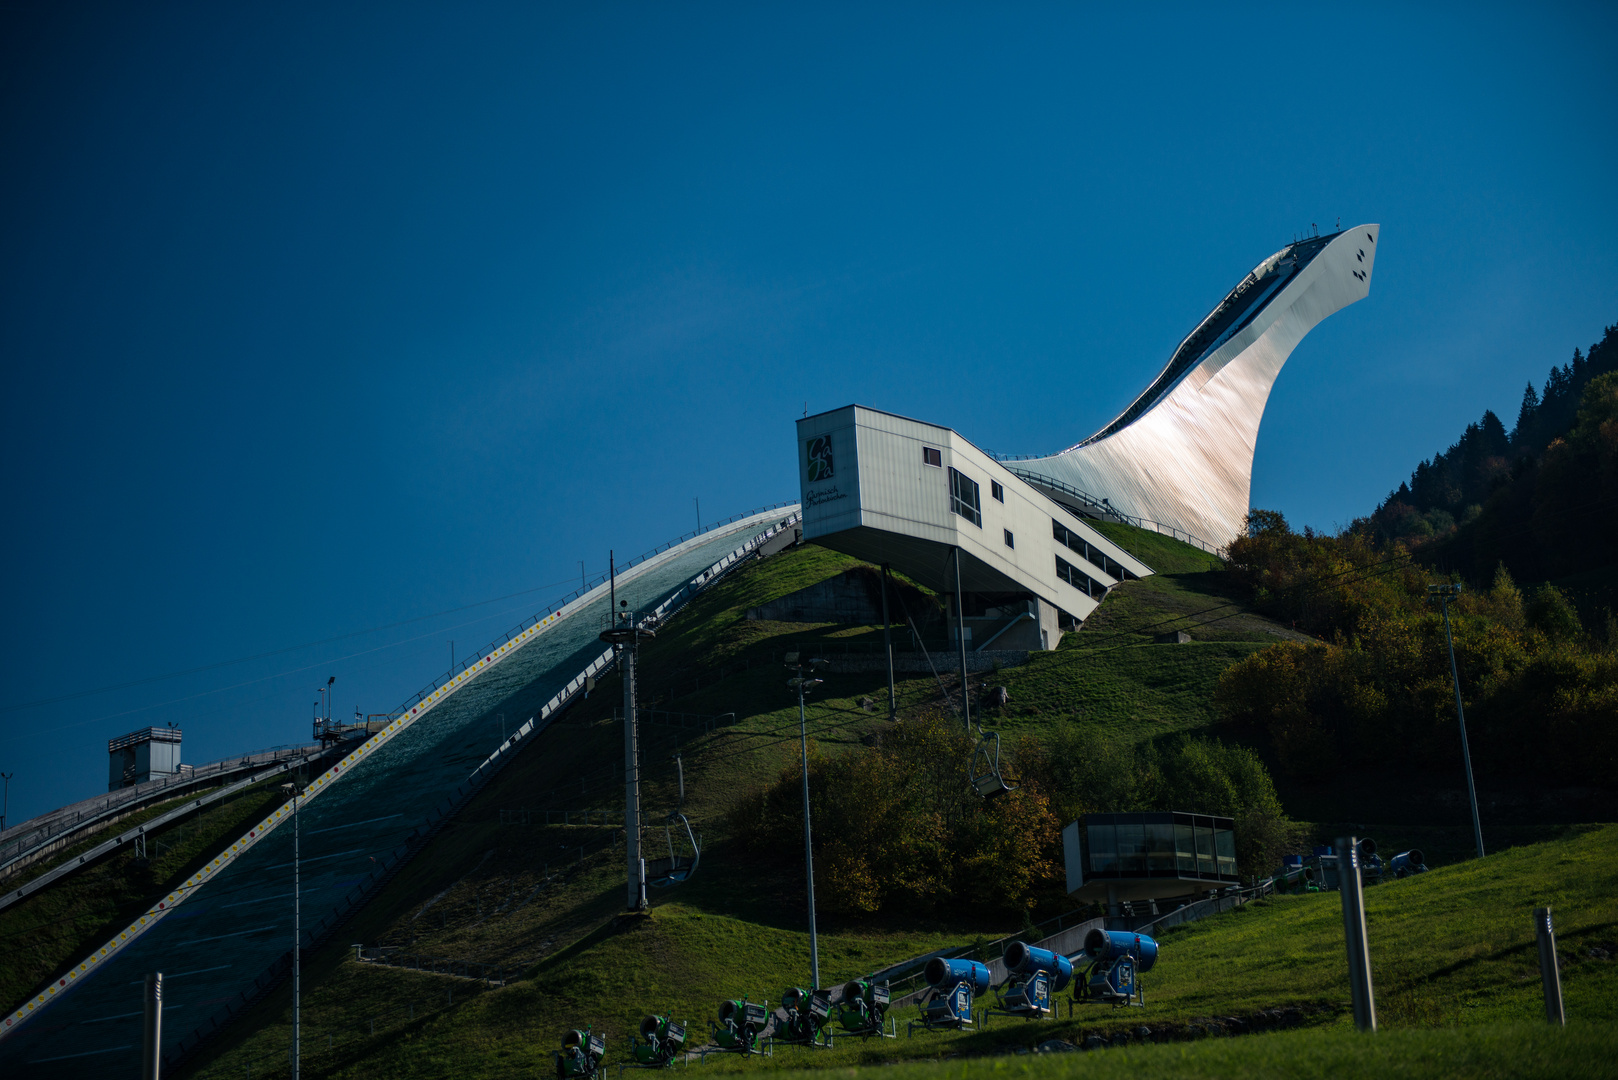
{"x":1182,"y":453}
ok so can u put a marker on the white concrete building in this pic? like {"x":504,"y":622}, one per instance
{"x":892,"y":490}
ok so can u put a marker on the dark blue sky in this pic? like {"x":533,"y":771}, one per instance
{"x":321,"y":317}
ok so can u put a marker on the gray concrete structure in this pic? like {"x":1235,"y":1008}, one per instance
{"x":1181,"y":454}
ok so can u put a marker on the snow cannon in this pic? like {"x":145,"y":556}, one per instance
{"x":941,"y":973}
{"x":1408,"y":862}
{"x":1023,"y":959}
{"x":1117,"y":958}
{"x":807,"y":1015}
{"x":1031,"y":976}
{"x":954,"y":983}
{"x":580,"y":1055}
{"x":864,"y":1008}
{"x":740,"y":1024}
{"x":660,"y":1042}
{"x":1112,"y":944}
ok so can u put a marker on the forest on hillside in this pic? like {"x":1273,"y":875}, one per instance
{"x":1541,"y":499}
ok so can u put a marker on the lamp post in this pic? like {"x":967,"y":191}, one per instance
{"x":7,"y":804}
{"x":803,"y":683}
{"x":297,"y":934}
{"x":1444,"y":594}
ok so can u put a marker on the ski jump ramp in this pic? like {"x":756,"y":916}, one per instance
{"x":226,"y":933}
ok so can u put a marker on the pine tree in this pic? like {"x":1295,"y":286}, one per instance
{"x":1525,"y":415}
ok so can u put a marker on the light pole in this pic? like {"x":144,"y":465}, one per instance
{"x":297,"y":934}
{"x":7,"y":804}
{"x":1444,"y":594}
{"x":803,"y":683}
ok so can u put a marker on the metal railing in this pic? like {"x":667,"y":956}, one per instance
{"x":29,"y":836}
{"x":584,"y":588}
{"x":1104,"y":508}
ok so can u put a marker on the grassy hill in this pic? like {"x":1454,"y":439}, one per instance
{"x":48,"y":932}
{"x":541,"y":900}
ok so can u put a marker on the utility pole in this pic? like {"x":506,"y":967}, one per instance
{"x":624,"y":632}
{"x":1444,"y":594}
{"x":803,"y":682}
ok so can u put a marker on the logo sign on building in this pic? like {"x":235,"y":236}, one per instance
{"x":820,"y":463}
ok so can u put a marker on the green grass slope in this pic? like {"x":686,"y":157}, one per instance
{"x":543,"y":899}
{"x":1450,"y":949}
{"x":44,"y":934}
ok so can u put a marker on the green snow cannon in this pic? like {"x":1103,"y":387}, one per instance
{"x":807,"y":1016}
{"x":580,"y":1055}
{"x":864,"y":1008}
{"x":740,"y":1024}
{"x":661,"y":1038}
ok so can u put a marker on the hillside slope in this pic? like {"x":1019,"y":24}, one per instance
{"x":492,"y":890}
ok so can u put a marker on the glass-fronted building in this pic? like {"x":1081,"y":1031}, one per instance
{"x":1113,"y":857}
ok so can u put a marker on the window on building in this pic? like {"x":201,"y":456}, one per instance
{"x":964,"y":498}
{"x":1077,"y":578}
{"x":997,"y":491}
{"x":1011,"y":541}
{"x":1089,"y":552}
{"x":931,"y":456}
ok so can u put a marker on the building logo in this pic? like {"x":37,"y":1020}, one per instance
{"x":820,"y":464}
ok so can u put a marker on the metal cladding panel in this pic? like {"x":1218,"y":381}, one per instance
{"x":828,"y":473}
{"x":1187,"y":461}
{"x":904,"y":516}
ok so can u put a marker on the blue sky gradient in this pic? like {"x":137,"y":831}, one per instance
{"x":318,"y":318}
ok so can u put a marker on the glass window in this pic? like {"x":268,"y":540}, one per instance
{"x":1078,"y":578}
{"x":1103,"y":848}
{"x":964,"y":498}
{"x":997,"y":491}
{"x":1132,"y":849}
{"x":1011,"y":541}
{"x":1185,"y":851}
{"x":1205,"y":852}
{"x":930,"y":456}
{"x":1160,"y":848}
{"x":1225,"y":845}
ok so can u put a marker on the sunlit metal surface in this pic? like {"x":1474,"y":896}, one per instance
{"x":1182,"y":453}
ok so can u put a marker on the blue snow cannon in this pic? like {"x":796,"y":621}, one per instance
{"x":941,"y":973}
{"x":1117,"y":957}
{"x":1407,"y":863}
{"x":954,"y":984}
{"x":1023,"y":959}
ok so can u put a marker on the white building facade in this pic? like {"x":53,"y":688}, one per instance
{"x":892,"y":490}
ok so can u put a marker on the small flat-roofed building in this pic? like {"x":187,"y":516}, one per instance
{"x":1148,"y":856}
{"x":149,"y":754}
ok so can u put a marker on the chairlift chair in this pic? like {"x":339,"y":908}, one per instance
{"x":986,"y":777}
{"x":679,"y":866}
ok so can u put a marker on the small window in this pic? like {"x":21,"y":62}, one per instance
{"x":999,"y":494}
{"x":1011,"y":541}
{"x":964,"y":498}
{"x":932,"y":457}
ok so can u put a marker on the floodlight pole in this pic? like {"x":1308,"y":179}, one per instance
{"x":803,"y":684}
{"x":887,"y":645}
{"x":1445,"y":593}
{"x":297,"y":937}
{"x":960,"y":637}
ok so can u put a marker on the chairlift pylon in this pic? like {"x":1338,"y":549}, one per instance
{"x":985,"y":775}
